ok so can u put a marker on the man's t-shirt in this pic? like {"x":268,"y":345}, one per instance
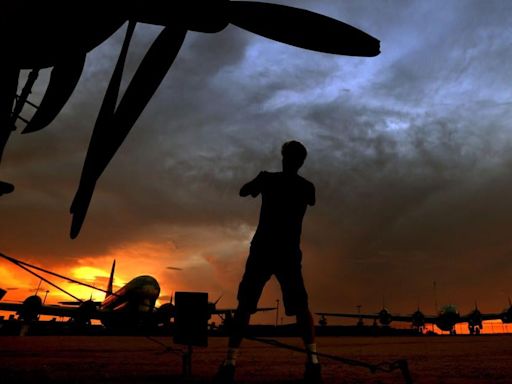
{"x":285,"y":198}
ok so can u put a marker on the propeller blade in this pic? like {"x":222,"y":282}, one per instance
{"x":9,"y":80}
{"x":302,"y":28}
{"x":145,"y":82}
{"x":63,"y":80}
{"x":110,"y":133}
{"x":85,"y":190}
{"x":80,"y":205}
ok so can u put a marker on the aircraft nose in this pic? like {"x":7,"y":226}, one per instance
{"x":149,"y":290}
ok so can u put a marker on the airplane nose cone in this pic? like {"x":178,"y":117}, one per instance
{"x":150,"y":291}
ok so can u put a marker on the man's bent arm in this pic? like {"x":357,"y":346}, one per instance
{"x":252,"y":188}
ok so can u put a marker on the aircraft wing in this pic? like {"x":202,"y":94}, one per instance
{"x":10,"y":307}
{"x":405,"y":318}
{"x":49,"y":310}
{"x":492,"y":316}
{"x":77,"y":303}
{"x":482,"y":316}
{"x":377,"y":316}
{"x":409,"y":318}
{"x":227,"y":311}
{"x":349,"y":315}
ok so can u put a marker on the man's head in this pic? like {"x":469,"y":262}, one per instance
{"x":294,"y":154}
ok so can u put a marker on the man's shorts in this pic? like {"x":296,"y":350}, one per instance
{"x":288,"y":270}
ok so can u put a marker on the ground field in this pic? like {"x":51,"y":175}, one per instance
{"x":90,"y":359}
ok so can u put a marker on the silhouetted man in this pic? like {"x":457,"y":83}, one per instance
{"x":275,"y":250}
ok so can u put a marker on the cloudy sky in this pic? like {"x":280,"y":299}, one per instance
{"x":410,"y":153}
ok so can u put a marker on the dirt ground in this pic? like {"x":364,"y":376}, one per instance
{"x":108,"y":359}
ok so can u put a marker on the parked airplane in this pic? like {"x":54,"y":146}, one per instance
{"x":132,"y":306}
{"x":445,"y":320}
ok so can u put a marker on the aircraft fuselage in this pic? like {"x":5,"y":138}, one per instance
{"x":447,"y":318}
{"x":133,"y":302}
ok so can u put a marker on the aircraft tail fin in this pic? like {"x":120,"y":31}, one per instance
{"x":111,"y":280}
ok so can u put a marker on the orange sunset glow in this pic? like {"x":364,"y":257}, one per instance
{"x":144,"y":258}
{"x":132,"y":260}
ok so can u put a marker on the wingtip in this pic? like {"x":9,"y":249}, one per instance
{"x":377,"y":49}
{"x":32,"y":127}
{"x":302,"y":28}
{"x":76,"y":225}
{"x":5,"y":188}
{"x":368,"y":49}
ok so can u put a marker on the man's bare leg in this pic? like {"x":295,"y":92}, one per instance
{"x":312,"y":374}
{"x":236,"y":334}
{"x":226,"y":372}
{"x":307,"y":330}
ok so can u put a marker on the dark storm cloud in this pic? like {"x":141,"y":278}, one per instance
{"x":410,"y":153}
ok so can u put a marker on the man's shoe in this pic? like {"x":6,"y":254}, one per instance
{"x":313,"y":374}
{"x":225,"y":374}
